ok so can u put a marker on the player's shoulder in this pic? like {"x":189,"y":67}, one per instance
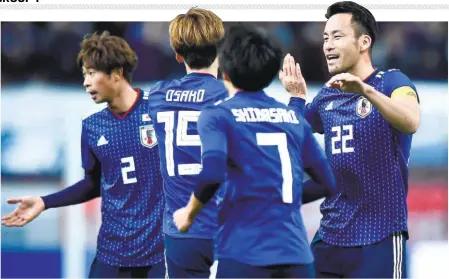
{"x":393,"y":79}
{"x":220,"y":108}
{"x":224,"y":102}
{"x":160,"y":85}
{"x":145,"y":94}
{"x":392,"y":75}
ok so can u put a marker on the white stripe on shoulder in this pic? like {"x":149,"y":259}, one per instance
{"x":146,"y":94}
{"x":224,"y":100}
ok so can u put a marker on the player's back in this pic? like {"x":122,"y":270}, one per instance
{"x":262,"y":223}
{"x":175,"y":108}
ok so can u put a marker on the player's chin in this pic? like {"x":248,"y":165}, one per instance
{"x":334,"y":70}
{"x":97,"y":99}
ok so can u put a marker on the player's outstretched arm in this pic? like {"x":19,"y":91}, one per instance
{"x":85,"y":189}
{"x":211,"y":129}
{"x":322,"y":183}
{"x":401,"y":109}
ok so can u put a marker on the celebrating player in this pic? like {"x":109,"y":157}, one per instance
{"x":367,"y":116}
{"x":263,"y":147}
{"x":175,"y":107}
{"x":121,"y":164}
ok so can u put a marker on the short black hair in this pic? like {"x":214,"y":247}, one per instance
{"x":249,"y":56}
{"x":361,"y":16}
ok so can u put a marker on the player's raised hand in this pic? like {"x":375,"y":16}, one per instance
{"x":291,"y":77}
{"x":182,"y":219}
{"x":27,"y":211}
{"x":348,"y":83}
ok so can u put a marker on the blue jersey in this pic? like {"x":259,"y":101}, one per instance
{"x":267,"y":146}
{"x":175,"y":106}
{"x":370,"y":162}
{"x":124,"y":149}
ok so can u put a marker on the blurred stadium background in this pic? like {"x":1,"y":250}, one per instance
{"x":42,"y":102}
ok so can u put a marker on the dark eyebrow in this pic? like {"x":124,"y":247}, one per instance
{"x":332,"y":32}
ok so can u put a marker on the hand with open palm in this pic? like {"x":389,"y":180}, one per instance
{"x":29,"y":208}
{"x":292,"y":79}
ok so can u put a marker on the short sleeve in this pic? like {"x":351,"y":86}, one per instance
{"x":396,"y":81}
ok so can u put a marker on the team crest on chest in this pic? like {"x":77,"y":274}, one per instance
{"x":363,"y":107}
{"x":148,"y":136}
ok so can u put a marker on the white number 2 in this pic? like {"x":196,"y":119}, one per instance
{"x":343,"y":139}
{"x":182,"y":139}
{"x":126,"y":170}
{"x":280,"y":140}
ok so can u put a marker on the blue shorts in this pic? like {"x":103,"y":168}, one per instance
{"x":228,"y":268}
{"x":189,"y":257}
{"x":384,"y":259}
{"x":102,"y":270}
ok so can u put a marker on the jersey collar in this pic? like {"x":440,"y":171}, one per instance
{"x":134,"y":105}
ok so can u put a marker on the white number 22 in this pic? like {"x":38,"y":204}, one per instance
{"x":182,"y":139}
{"x":280,"y":140}
{"x":344,"y":139}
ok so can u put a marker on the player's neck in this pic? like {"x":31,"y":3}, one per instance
{"x":124,"y":100}
{"x":363,"y":69}
{"x":232,"y":90}
{"x":212,"y":69}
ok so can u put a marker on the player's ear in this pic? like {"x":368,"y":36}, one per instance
{"x":117,"y":74}
{"x":179,"y":58}
{"x":365,"y":42}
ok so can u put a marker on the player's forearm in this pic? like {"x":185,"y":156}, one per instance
{"x":82,"y":191}
{"x":400,"y":116}
{"x":298,"y":105}
{"x":194,"y":206}
{"x":211,"y":176}
{"x":209,"y":180}
{"x":313,"y":191}
{"x":321,"y":185}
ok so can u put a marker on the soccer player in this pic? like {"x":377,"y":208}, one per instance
{"x":367,"y":116}
{"x":121,"y":163}
{"x":263,"y":148}
{"x":174,"y":107}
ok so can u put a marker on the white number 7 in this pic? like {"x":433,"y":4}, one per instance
{"x":280,"y":140}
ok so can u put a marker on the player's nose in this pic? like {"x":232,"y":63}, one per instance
{"x":86,"y":83}
{"x":328,"y":45}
